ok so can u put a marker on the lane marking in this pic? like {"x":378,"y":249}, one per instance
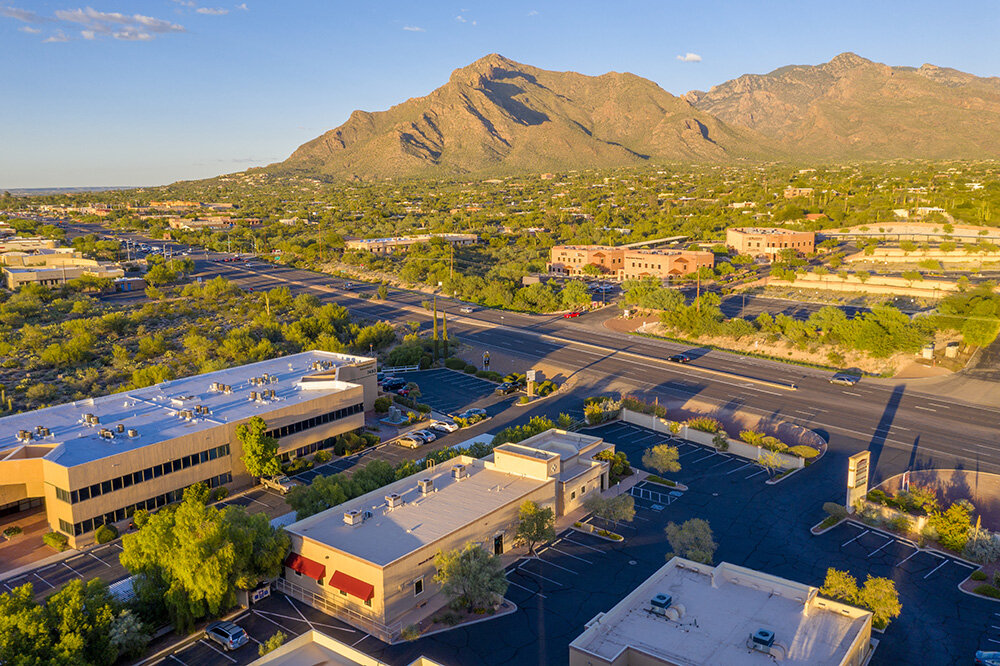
{"x":926,"y":409}
{"x":205,"y":642}
{"x":936,"y":568}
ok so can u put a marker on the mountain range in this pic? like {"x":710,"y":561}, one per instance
{"x":496,"y":115}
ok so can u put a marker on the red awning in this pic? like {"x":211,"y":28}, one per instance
{"x":305,"y":566}
{"x":351,"y":585}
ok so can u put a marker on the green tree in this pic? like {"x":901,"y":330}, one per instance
{"x":259,"y":449}
{"x":574,"y":294}
{"x":82,"y":615}
{"x":535,"y":525}
{"x":128,"y":635}
{"x":661,"y":458}
{"x":276,"y":640}
{"x":880,"y":597}
{"x":692,"y":540}
{"x":840,"y":585}
{"x":953,"y":525}
{"x":471,"y":577}
{"x":592,"y":270}
{"x":618,"y":509}
{"x":619,"y":464}
{"x":25,"y":637}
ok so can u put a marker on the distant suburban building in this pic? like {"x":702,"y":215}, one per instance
{"x":768,"y":242}
{"x":314,"y":648}
{"x":216,"y":223}
{"x":664,"y":263}
{"x":792,"y":192}
{"x":52,"y":267}
{"x":26,"y":244}
{"x":97,"y":460}
{"x":570,"y":259}
{"x":403,"y":243}
{"x":690,"y":613}
{"x":370,"y":561}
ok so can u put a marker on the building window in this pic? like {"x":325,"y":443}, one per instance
{"x":368,"y":602}
{"x":418,"y":587}
{"x":572,"y":495}
{"x":63,"y":495}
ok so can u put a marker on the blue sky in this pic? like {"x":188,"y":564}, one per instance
{"x":130,"y":92}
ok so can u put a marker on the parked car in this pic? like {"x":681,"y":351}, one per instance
{"x":570,"y":315}
{"x":443,"y":426}
{"x":506,"y":388}
{"x":393,"y":383}
{"x":845,"y":379}
{"x":403,"y":391}
{"x":425,"y":435}
{"x":410,"y":442}
{"x":472,"y":411}
{"x":679,"y":358}
{"x":227,"y":634}
{"x":987,"y":658}
{"x":465,"y":310}
{"x":281,"y":483}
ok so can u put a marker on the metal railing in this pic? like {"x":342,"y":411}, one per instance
{"x":342,"y":610}
{"x":400,"y":368}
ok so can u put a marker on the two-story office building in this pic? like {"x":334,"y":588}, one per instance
{"x":96,"y":461}
{"x":370,"y":561}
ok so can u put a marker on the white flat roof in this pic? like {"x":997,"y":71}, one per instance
{"x":153,"y":411}
{"x":723,"y":606}
{"x":424,"y":519}
{"x":565,"y":444}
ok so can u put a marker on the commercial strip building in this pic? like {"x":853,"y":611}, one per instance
{"x":370,"y":561}
{"x":689,"y":613}
{"x":52,"y":266}
{"x":96,"y":461}
{"x":402,"y":243}
{"x":769,"y":242}
{"x":626,"y":263}
{"x":314,"y":648}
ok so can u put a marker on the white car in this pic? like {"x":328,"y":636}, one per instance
{"x":465,"y":310}
{"x":280,"y":483}
{"x":443,"y":426}
{"x":425,"y":435}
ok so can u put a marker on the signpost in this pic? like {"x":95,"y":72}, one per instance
{"x":530,"y":376}
{"x":857,"y":477}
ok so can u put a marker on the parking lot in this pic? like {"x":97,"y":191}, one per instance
{"x":100,"y":562}
{"x":263,"y":620}
{"x":451,"y":392}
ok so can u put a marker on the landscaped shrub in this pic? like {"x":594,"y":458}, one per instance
{"x":524,"y":400}
{"x":470,"y":369}
{"x":982,"y":547}
{"x":901,"y":524}
{"x":322,"y":457}
{"x":752,"y":437}
{"x":773,"y":444}
{"x":987,"y":591}
{"x":978,"y":575}
{"x":803,"y":451}
{"x":600,"y":410}
{"x":490,"y":375}
{"x":721,"y":442}
{"x":382,"y":404}
{"x":410,"y":633}
{"x":877,"y":496}
{"x":516,"y":378}
{"x":704,"y":424}
{"x":220,"y":493}
{"x":675,"y":427}
{"x":545,"y":388}
{"x":659,"y":479}
{"x":634,"y":404}
{"x":454,"y":363}
{"x":105,"y":534}
{"x":838,"y":511}
{"x":56,"y":540}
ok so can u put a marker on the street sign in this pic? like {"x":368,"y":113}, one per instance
{"x":260,"y":593}
{"x":530,"y":375}
{"x":857,"y":477}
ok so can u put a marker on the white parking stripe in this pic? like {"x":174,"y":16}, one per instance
{"x":175,"y":658}
{"x":209,"y":645}
{"x":727,"y":459}
{"x":568,"y":554}
{"x":99,"y":560}
{"x":704,"y":458}
{"x":75,"y":572}
{"x":359,"y":640}
{"x":763,"y":469}
{"x":739,"y":468}
{"x":510,"y":582}
{"x":596,"y":550}
{"x":44,"y":581}
{"x":936,"y":568}
{"x":557,"y":566}
{"x":908,"y":557}
{"x":880,"y":547}
{"x":855,"y":538}
{"x":532,"y":573}
{"x":964,"y":564}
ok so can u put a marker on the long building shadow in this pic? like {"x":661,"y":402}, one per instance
{"x":882,"y":430}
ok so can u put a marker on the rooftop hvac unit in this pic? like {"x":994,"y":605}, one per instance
{"x":426,"y":486}
{"x":24,"y":435}
{"x":458,"y":472}
{"x":120,"y":427}
{"x":132,"y":432}
{"x":227,"y":389}
{"x":253,"y":396}
{"x":660,"y":603}
{"x":394,"y":501}
{"x":354,"y":517}
{"x":762,"y":640}
{"x":90,"y":419}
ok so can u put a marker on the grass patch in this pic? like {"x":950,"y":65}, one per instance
{"x":659,"y":479}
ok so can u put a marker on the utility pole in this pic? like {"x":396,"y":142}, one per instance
{"x":451,"y":274}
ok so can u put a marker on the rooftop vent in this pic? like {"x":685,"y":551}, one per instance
{"x":458,"y":472}
{"x":227,"y":389}
{"x":132,"y":432}
{"x":354,"y":517}
{"x":394,"y":501}
{"x":763,"y":639}
{"x":253,"y":396}
{"x":24,"y":435}
{"x":120,"y":427}
{"x":91,"y":419}
{"x":661,"y":601}
{"x":426,"y":486}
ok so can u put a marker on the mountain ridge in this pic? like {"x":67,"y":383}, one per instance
{"x":498,"y":115}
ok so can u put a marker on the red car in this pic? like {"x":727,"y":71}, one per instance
{"x":569,"y":315}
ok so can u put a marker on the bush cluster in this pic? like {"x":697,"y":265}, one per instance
{"x":704,"y":424}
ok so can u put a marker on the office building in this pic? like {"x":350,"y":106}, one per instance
{"x":370,"y":561}
{"x":397,"y":244}
{"x":96,"y":461}
{"x":769,"y":242}
{"x":689,"y":614}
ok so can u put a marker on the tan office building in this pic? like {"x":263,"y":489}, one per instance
{"x":689,"y":613}
{"x":769,"y":242}
{"x":370,"y":561}
{"x":402,"y":243}
{"x":96,"y":461}
{"x":570,"y":259}
{"x":664,"y":264}
{"x":314,"y":648}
